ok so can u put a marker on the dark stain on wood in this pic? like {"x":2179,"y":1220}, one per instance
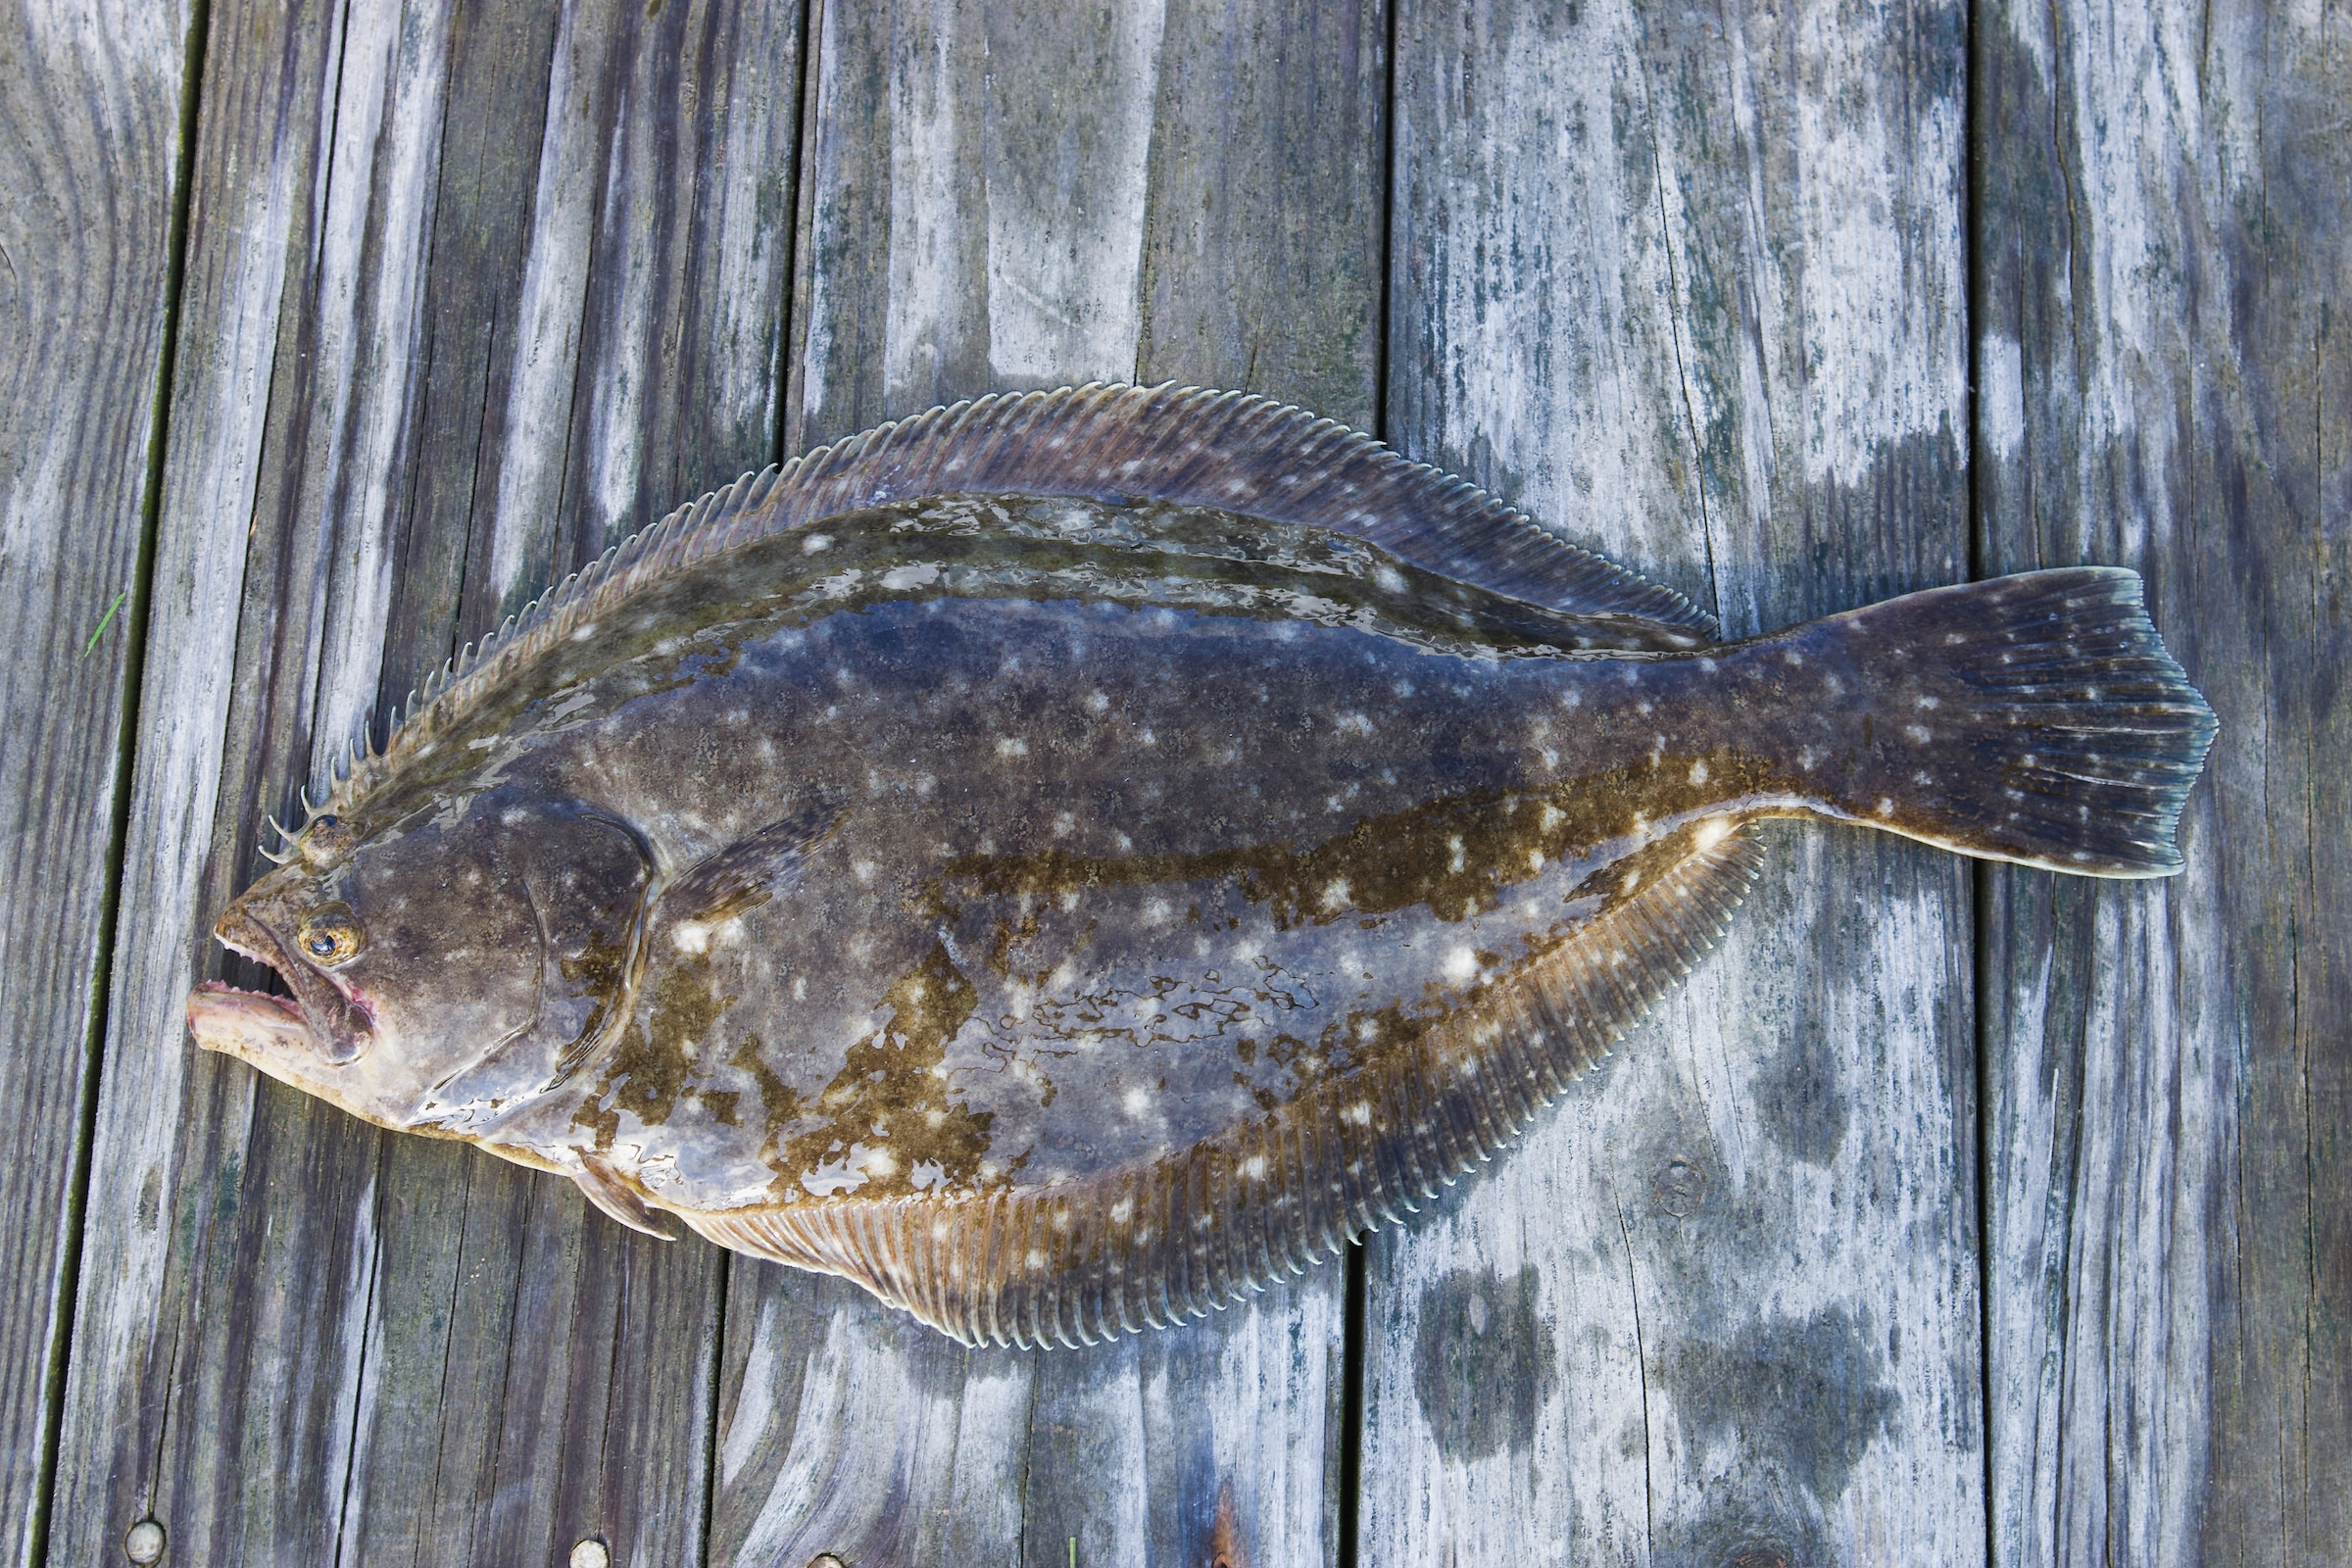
{"x":1802,"y":1397}
{"x":1485,"y":1362}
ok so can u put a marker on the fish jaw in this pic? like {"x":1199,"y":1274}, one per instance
{"x":340,"y":1029}
{"x":272,"y":1034}
{"x":250,"y":1025}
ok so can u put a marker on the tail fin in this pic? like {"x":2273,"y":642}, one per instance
{"x":2035,"y":718}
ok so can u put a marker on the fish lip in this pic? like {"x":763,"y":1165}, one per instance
{"x":339,"y":1024}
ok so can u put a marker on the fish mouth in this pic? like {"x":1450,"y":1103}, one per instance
{"x":320,"y":1017}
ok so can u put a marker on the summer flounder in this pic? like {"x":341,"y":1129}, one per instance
{"x":1064,"y":860}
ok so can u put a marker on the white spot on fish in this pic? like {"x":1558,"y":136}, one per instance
{"x":1255,"y":1167}
{"x":1699,"y":772}
{"x":1886,"y":807}
{"x":863,"y":870}
{"x":689,"y":936}
{"x":1359,"y":1113}
{"x":1461,"y":964}
{"x":1097,"y":703}
{"x":1711,"y":832}
{"x":817,"y":544}
{"x":586,"y":631}
{"x":1456,"y":844}
{"x":1335,"y":894}
{"x":1137,"y":1102}
{"x":1918,"y":733}
{"x":1352,"y":724}
{"x":1122,"y":1211}
{"x":1012,"y":746}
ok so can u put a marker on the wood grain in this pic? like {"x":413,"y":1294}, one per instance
{"x":472,"y":289}
{"x":1008,"y":196}
{"x":2163,"y":384}
{"x":300,"y":1340}
{"x":90,"y":114}
{"x":1691,"y":287}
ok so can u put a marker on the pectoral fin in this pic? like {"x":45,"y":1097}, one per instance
{"x":748,"y":872}
{"x":609,"y":1190}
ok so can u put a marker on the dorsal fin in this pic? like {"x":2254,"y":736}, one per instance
{"x":1158,"y":1245}
{"x":1186,"y":445}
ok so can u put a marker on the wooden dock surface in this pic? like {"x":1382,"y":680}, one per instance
{"x":1951,"y":1214}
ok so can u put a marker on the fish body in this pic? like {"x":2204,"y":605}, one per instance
{"x":1068,"y":860}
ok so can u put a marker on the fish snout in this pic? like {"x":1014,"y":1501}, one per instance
{"x":338,"y":1028}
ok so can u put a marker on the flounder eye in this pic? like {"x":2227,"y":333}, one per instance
{"x":330,"y":936}
{"x":325,"y":841}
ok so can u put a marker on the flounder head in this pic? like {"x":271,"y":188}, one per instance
{"x":444,"y":969}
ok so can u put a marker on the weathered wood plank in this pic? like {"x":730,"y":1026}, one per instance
{"x":1690,"y":284}
{"x":1010,"y":195}
{"x":89,"y":143}
{"x":430,"y":246}
{"x":2163,"y":384}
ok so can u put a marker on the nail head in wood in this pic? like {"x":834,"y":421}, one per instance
{"x":143,"y":1543}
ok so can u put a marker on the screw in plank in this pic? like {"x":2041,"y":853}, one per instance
{"x":143,"y":1543}
{"x":590,"y":1553}
{"x":1680,"y":1187}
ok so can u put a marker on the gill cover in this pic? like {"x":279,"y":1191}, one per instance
{"x":550,"y":914}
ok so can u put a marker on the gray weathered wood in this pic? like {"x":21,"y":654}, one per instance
{"x":472,"y":289}
{"x":430,"y":246}
{"x":90,"y":114}
{"x":1017,"y":195}
{"x":1690,"y":284}
{"x":2163,"y":384}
